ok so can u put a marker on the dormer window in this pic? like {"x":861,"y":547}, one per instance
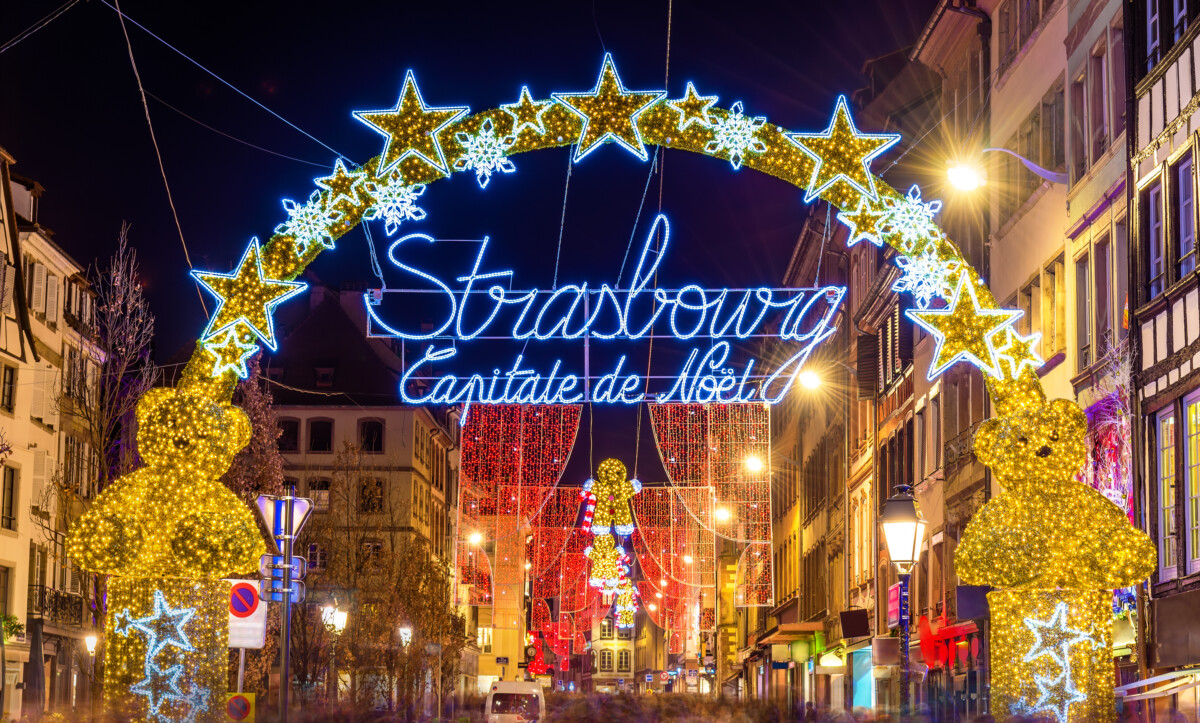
{"x":324,"y":376}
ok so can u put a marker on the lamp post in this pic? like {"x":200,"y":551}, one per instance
{"x":90,"y":642}
{"x":966,"y":177}
{"x":903,"y":530}
{"x":335,"y":623}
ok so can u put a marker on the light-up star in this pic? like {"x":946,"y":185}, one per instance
{"x":156,"y":678}
{"x":963,"y":331}
{"x":527,"y":113}
{"x":693,"y":108}
{"x":246,"y":296}
{"x":1057,"y":694}
{"x":610,"y":112}
{"x":411,"y":128}
{"x":230,"y":354}
{"x":842,"y":153}
{"x":1019,"y":351}
{"x":864,"y":222}
{"x":164,"y":627}
{"x":343,"y":186}
{"x":121,"y":621}
{"x":1062,"y":637}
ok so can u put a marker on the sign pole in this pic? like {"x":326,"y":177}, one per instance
{"x":285,"y":633}
{"x":241,"y":668}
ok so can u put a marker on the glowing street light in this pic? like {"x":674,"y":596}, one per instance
{"x":964,"y":177}
{"x":405,"y":635}
{"x":809,"y":379}
{"x":652,"y":607}
{"x":90,"y":641}
{"x":475,"y":538}
{"x":334,"y":619}
{"x":722,"y":514}
{"x":754,"y":463}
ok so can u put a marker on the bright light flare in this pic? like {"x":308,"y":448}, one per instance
{"x":809,"y":379}
{"x":722,"y":514}
{"x":475,"y":538}
{"x":688,"y":559}
{"x":754,"y":463}
{"x":964,"y":177}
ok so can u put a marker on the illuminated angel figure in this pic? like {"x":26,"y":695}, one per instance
{"x":613,"y":492}
{"x":608,"y":563}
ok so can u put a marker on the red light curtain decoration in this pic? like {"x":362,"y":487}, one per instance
{"x":724,"y":449}
{"x":512,"y":459}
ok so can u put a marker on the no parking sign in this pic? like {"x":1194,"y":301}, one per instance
{"x":240,"y":707}
{"x":247,"y":616}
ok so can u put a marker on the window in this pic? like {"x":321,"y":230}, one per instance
{"x":1098,"y":100}
{"x":1018,"y":20}
{"x":370,"y":436}
{"x":1054,"y":308}
{"x":370,"y":496}
{"x":1185,"y":218}
{"x":623,"y":661}
{"x":1083,"y":327}
{"x":1155,"y":243}
{"x":624,"y":633}
{"x":606,"y":661}
{"x":317,"y":557}
{"x":324,"y":376}
{"x":1054,"y":133}
{"x":483,"y":638}
{"x":1153,"y":35}
{"x":1179,"y":19}
{"x":8,"y":389}
{"x":1029,"y":301}
{"x":1116,"y":69}
{"x":936,"y":418}
{"x":289,"y":435}
{"x":606,"y":629}
{"x":8,"y":506}
{"x":1079,"y":159}
{"x":1103,"y":296}
{"x":320,"y":435}
{"x":1166,"y":495}
{"x":1191,"y":507}
{"x":372,"y":551}
{"x":318,"y":491}
{"x":1121,"y":233}
{"x":920,"y":444}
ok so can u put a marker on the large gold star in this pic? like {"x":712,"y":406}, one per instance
{"x":964,"y":331}
{"x":343,"y":186}
{"x":527,"y":113}
{"x":693,"y":108}
{"x":1019,"y":351}
{"x":411,"y":128}
{"x":246,"y":297}
{"x":610,"y":112}
{"x":842,"y":153}
{"x":230,"y":353}
{"x":864,"y":222}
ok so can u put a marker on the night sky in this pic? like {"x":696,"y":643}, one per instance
{"x":72,"y":117}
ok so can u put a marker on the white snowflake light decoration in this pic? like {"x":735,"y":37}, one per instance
{"x":926,"y":276}
{"x":395,"y":203}
{"x":736,"y":134}
{"x":485,"y":153}
{"x":910,"y":219}
{"x":309,"y":222}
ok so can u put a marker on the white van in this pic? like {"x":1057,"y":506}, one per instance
{"x":514,"y":702}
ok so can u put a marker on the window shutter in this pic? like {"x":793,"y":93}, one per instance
{"x":52,"y":293}
{"x":37,"y":404}
{"x":906,"y":339}
{"x":866,"y":365}
{"x":38,"y":302}
{"x":51,"y":390}
{"x":10,"y":280}
{"x":40,"y":458}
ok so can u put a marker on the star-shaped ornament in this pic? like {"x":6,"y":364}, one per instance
{"x":411,"y":128}
{"x":963,"y":331}
{"x":1061,"y":638}
{"x":246,"y":296}
{"x":164,"y":627}
{"x":842,"y":153}
{"x":121,"y":621}
{"x":230,"y":354}
{"x":610,"y":112}
{"x":527,"y":113}
{"x":152,"y":685}
{"x":1019,"y":351}
{"x":1057,"y":694}
{"x":693,"y":108}
{"x":344,"y":186}
{"x":864,"y":222}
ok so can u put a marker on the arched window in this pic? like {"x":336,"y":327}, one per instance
{"x":606,"y":661}
{"x":370,"y":436}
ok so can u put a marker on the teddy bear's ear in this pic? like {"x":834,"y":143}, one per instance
{"x":239,"y":428}
{"x":1073,"y":419}
{"x":150,"y":401}
{"x":985,"y":439}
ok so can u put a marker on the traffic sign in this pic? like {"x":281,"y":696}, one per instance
{"x":649,"y":677}
{"x":272,"y":591}
{"x":274,"y":511}
{"x":247,"y":616}
{"x":239,"y":707}
{"x":664,"y":676}
{"x":272,"y":566}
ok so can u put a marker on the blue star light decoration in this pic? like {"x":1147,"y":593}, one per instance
{"x":963,"y":330}
{"x":736,"y":134}
{"x":610,"y":112}
{"x":156,"y":678}
{"x":162,"y":628}
{"x":246,"y":296}
{"x":1018,"y":351}
{"x":911,"y":219}
{"x":308,"y":223}
{"x":926,"y":276}
{"x":693,"y":108}
{"x":1053,"y":639}
{"x":395,"y":202}
{"x":411,"y":128}
{"x":231,"y":354}
{"x":842,"y":153}
{"x":527,"y":113}
{"x":485,"y":153}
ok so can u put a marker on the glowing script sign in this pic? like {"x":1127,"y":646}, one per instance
{"x":481,"y":306}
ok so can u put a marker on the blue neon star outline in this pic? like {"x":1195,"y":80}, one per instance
{"x":1049,"y":690}
{"x":525,"y":98}
{"x":1058,"y":622}
{"x":964,"y":279}
{"x":1030,"y":342}
{"x":238,"y":367}
{"x":357,"y":186}
{"x":685,"y":120}
{"x":609,"y":66}
{"x":196,"y":702}
{"x":176,"y":618}
{"x":842,"y":107}
{"x":121,"y":622}
{"x":440,"y":164}
{"x":267,"y":335}
{"x":154,"y":676}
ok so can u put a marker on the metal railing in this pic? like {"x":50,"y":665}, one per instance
{"x":56,"y":606}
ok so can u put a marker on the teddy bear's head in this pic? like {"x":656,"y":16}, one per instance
{"x":182,"y":430}
{"x":1044,"y":443}
{"x":611,"y":472}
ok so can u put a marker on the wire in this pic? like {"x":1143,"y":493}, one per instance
{"x":233,"y":138}
{"x":562,"y":222}
{"x":157,"y":153}
{"x":374,"y":258}
{"x":638,"y":217}
{"x":824,"y":238}
{"x":39,"y":25}
{"x":226,"y":83}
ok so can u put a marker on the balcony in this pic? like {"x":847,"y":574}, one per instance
{"x":56,"y":606}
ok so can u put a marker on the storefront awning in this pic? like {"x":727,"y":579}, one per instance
{"x":1163,"y":685}
{"x":784,"y":633}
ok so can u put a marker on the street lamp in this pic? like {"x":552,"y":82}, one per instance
{"x":809,"y":379}
{"x":722,"y":514}
{"x":90,"y":641}
{"x":405,"y":635}
{"x":903,"y":531}
{"x":967,"y":177}
{"x":475,"y":538}
{"x":335,"y":623}
{"x":754,"y":463}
